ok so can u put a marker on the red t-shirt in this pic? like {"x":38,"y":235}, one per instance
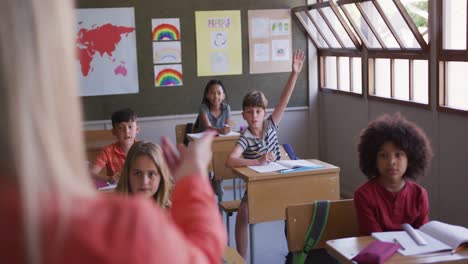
{"x":112,"y":157}
{"x":117,"y":229}
{"x":380,"y":210}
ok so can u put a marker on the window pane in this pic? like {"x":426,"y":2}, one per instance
{"x":357,"y":74}
{"x":401,"y":79}
{"x":312,"y":30}
{"x":379,"y":25}
{"x":420,"y":81}
{"x":330,"y":72}
{"x":336,"y":24}
{"x":349,"y":24}
{"x":362,"y":26}
{"x":397,"y":21}
{"x":457,"y":78}
{"x":324,"y":28}
{"x":454,"y":27}
{"x":382,"y":77}
{"x":344,"y":73}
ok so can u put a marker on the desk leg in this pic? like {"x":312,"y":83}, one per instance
{"x":240,"y":187}
{"x":251,"y":238}
{"x":234,"y":181}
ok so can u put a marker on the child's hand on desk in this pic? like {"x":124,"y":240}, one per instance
{"x":190,"y":160}
{"x":267,"y":158}
{"x":225,"y":130}
{"x":114,"y":178}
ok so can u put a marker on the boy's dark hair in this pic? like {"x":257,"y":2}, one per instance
{"x":123,"y":115}
{"x":207,"y":89}
{"x":254,"y":99}
{"x":406,"y":135}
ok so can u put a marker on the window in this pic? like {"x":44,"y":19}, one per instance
{"x":453,"y":64}
{"x":388,"y":36}
{"x":341,"y":73}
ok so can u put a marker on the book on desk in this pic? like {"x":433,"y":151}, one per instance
{"x":286,"y":166}
{"x":200,"y":135}
{"x":439,"y":237}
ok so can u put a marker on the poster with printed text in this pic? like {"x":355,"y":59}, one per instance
{"x":219,"y":47}
{"x":106,"y":46}
{"x":270,"y":40}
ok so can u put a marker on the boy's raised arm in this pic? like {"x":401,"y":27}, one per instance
{"x":297,"y":62}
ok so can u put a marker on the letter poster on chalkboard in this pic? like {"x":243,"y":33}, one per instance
{"x":219,"y":47}
{"x":270,"y":40}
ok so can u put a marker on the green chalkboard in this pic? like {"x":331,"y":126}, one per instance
{"x":152,"y":101}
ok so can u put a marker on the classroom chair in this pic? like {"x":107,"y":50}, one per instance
{"x":340,"y":222}
{"x":229,"y":207}
{"x":181,"y":131}
{"x":95,"y":141}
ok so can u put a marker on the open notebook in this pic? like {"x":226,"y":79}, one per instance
{"x":199,"y":135}
{"x":439,"y":237}
{"x":285,"y":166}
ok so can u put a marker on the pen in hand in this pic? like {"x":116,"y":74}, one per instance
{"x":456,"y":249}
{"x":258,"y":153}
{"x":398,"y":242}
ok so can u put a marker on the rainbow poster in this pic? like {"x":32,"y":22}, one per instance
{"x":165,"y":29}
{"x":168,"y":75}
{"x":166,"y":52}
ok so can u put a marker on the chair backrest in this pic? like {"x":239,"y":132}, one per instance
{"x":95,"y":141}
{"x":180,"y":133}
{"x":98,"y":135}
{"x":341,"y":223}
{"x":286,"y":152}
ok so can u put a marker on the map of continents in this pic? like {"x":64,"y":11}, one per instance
{"x":106,"y":51}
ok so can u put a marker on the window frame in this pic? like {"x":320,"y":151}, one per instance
{"x":444,"y":56}
{"x":364,"y":50}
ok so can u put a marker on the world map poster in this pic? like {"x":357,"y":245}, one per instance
{"x":106,"y":51}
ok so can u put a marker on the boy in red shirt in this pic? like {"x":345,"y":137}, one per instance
{"x":124,"y":128}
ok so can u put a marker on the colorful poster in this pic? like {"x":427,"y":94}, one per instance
{"x":270,"y":40}
{"x":166,"y":52}
{"x":106,"y":46}
{"x":280,"y":50}
{"x":219,"y":47}
{"x":165,"y":29}
{"x":168,"y":75}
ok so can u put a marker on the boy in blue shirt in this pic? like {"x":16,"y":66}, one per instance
{"x":258,"y":144}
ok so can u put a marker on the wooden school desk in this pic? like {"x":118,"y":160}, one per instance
{"x":270,"y":193}
{"x":231,"y":256}
{"x":345,"y":249}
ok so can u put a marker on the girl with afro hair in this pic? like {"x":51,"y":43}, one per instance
{"x":393,"y":152}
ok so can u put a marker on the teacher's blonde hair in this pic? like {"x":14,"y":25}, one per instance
{"x":41,"y":141}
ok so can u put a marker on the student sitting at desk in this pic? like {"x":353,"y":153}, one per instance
{"x":145,"y":172}
{"x":124,"y":128}
{"x":392,"y":153}
{"x":258,"y":144}
{"x":215,"y":112}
